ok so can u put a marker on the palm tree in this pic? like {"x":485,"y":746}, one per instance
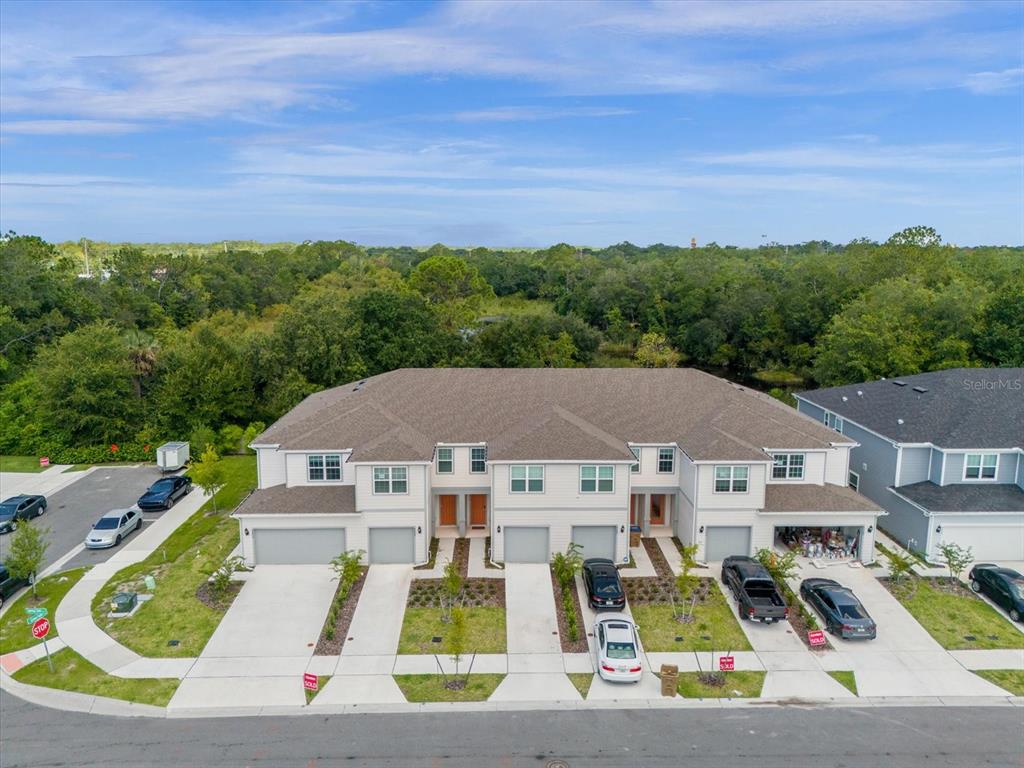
{"x":142,"y":352}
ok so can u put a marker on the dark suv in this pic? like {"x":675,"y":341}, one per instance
{"x":1004,"y":586}
{"x":20,"y":508}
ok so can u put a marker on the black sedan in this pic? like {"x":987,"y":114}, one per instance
{"x":839,"y":608}
{"x":9,"y":585}
{"x":1004,"y":586}
{"x":604,"y":587}
{"x":164,"y":492}
{"x":19,"y":508}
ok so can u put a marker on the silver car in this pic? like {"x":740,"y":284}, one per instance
{"x":112,"y":527}
{"x":618,"y":648}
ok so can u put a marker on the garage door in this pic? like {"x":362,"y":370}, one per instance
{"x":392,"y":545}
{"x":596,"y":540}
{"x":723,"y":541}
{"x":297,"y":546}
{"x":997,"y":542}
{"x":526,"y":545}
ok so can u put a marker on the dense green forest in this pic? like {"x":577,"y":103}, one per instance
{"x":210,"y":342}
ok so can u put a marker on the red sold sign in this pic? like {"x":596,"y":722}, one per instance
{"x":44,"y":461}
{"x":309,"y":682}
{"x":816,"y":637}
{"x":726,"y":663}
{"x":40,"y":629}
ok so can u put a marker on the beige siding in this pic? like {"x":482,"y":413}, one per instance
{"x":814,"y":468}
{"x":752,"y":499}
{"x":271,"y":465}
{"x":744,"y":517}
{"x":416,"y":498}
{"x":461,"y":477}
{"x":649,"y":475}
{"x":559,"y":523}
{"x":837,"y":466}
{"x":296,"y":464}
{"x":561,"y":490}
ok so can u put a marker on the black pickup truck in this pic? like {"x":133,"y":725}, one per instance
{"x":754,"y":590}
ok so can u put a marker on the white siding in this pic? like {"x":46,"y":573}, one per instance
{"x":559,"y":525}
{"x":297,"y":465}
{"x":683,"y":523}
{"x":814,"y":468}
{"x":913,"y":465}
{"x":461,"y":477}
{"x":271,"y":467}
{"x":687,"y":477}
{"x":837,"y":466}
{"x":561,"y":490}
{"x":649,"y":475}
{"x":752,"y":499}
{"x":745,"y":517}
{"x":417,"y":497}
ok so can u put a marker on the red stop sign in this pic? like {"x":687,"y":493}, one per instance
{"x":41,"y":629}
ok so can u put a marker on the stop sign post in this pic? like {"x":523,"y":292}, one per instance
{"x":40,"y":629}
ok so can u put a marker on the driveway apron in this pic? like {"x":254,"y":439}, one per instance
{"x":530,"y":609}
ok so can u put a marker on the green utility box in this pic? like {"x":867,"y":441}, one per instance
{"x":124,"y":602}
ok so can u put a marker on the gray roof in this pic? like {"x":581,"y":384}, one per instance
{"x":299,"y":500}
{"x":960,"y":407}
{"x":546,"y":414}
{"x":806,"y":497}
{"x":965,"y":497}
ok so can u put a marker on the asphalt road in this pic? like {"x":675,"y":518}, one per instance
{"x":792,"y":737}
{"x":71,"y":512}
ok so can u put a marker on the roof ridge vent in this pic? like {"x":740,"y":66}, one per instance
{"x":860,"y":393}
{"x":359,"y":385}
{"x":845,"y":398}
{"x":921,"y":390}
{"x":899,"y":421}
{"x":899,"y":383}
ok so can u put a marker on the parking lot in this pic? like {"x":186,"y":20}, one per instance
{"x":72,"y":511}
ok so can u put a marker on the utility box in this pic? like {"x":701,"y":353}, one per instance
{"x":171,"y":457}
{"x":124,"y":602}
{"x":669,"y":679}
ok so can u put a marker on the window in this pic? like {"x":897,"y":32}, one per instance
{"x":666,"y":460}
{"x":854,"y":481}
{"x":597,"y":479}
{"x":833,"y":421}
{"x":477,"y":459}
{"x":390,"y":479}
{"x":320,"y":467}
{"x":445,"y":463}
{"x":527,"y":478}
{"x":981,"y":466}
{"x":788,"y":466}
{"x":634,"y":468}
{"x":731,"y":479}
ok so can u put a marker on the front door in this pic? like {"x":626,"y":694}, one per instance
{"x":447,"y":505}
{"x":478,"y":510}
{"x":657,"y":509}
{"x":635,"y":502}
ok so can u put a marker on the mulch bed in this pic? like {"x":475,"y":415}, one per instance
{"x":426,"y":593}
{"x":222,"y":602}
{"x":461,"y":556}
{"x":429,"y":565}
{"x":661,"y":566}
{"x":568,"y":646}
{"x":325,"y":647}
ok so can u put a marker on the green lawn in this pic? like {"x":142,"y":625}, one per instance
{"x":957,"y":620}
{"x":582,"y":681}
{"x":1011,"y":680}
{"x":20,"y":464}
{"x":847,"y":679}
{"x":485,"y":630}
{"x":738,"y":685}
{"x":321,"y":681}
{"x":714,"y":627}
{"x":421,"y":688}
{"x":193,"y":551}
{"x":73,"y":673}
{"x":14,"y":632}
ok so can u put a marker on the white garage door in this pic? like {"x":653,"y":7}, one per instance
{"x":297,"y":546}
{"x":392,"y":545}
{"x":596,"y":540}
{"x":723,"y":541}
{"x":526,"y":545}
{"x":997,"y":542}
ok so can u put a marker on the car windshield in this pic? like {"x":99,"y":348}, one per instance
{"x":606,"y":587}
{"x":7,"y":510}
{"x":849,"y":611}
{"x":106,"y":523}
{"x":161,"y":485}
{"x":1017,"y":588}
{"x":621,"y":651}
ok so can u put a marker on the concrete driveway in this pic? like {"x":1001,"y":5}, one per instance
{"x":530,"y":609}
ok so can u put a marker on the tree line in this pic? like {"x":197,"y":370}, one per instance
{"x":211,"y":345}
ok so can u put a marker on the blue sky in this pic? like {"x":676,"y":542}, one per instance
{"x":512,"y":124}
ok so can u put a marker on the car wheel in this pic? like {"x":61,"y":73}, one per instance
{"x":975,"y":586}
{"x":14,"y":525}
{"x":39,"y":511}
{"x":1,"y":601}
{"x":138,"y":524}
{"x":1015,"y":614}
{"x":117,"y":540}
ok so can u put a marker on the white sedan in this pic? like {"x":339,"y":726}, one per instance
{"x":618,"y":648}
{"x":112,"y":527}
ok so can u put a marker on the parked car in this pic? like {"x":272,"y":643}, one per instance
{"x":112,"y":527}
{"x":164,"y":492}
{"x":1004,"y":586}
{"x":9,"y":585}
{"x":604,"y":587}
{"x":617,"y":647}
{"x":20,"y":508}
{"x":839,"y":608}
{"x":754,"y":590}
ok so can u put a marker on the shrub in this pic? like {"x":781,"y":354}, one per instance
{"x":567,"y":564}
{"x":230,"y":439}
{"x":221,"y":578}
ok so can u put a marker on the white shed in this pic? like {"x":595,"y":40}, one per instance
{"x":171,"y":457}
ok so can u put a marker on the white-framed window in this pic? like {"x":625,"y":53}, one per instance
{"x":731,"y":479}
{"x":833,"y":421}
{"x":981,"y":466}
{"x":445,"y":461}
{"x":323,"y":467}
{"x":390,"y":480}
{"x":478,"y":459}
{"x":854,"y":480}
{"x":788,"y":466}
{"x":634,"y":468}
{"x":597,"y":478}
{"x":666,"y":460}
{"x":526,"y":478}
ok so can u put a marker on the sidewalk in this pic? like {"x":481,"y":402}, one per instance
{"x":44,"y":483}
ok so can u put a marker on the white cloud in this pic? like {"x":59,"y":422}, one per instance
{"x":68,"y":127}
{"x":533,"y":114}
{"x":995,"y":82}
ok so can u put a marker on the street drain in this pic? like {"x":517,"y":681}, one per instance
{"x":679,"y":638}
{"x":556,"y":764}
{"x":435,"y":639}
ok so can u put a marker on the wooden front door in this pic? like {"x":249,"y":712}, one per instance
{"x":447,"y":506}
{"x":634,"y":508}
{"x":478,"y":510}
{"x":657,"y":509}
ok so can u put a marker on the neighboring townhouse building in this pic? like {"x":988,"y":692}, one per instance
{"x":538,"y":458}
{"x":941,"y":452}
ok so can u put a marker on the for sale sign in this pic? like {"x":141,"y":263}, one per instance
{"x":310,"y":683}
{"x":41,"y":629}
{"x":726,"y":663}
{"x":816,"y":637}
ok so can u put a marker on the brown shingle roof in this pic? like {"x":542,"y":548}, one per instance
{"x":546,"y":413}
{"x":298,"y":500}
{"x":804,"y":497}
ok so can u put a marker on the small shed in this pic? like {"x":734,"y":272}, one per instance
{"x":171,"y":457}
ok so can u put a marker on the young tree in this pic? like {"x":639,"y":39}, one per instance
{"x":451,"y":588}
{"x":957,"y":558}
{"x":26,"y":554}
{"x":455,"y":639}
{"x":781,"y":567}
{"x":208,"y":473}
{"x":686,"y":582}
{"x":899,"y":565}
{"x":567,"y":564}
{"x":348,"y":566}
{"x":654,"y":351}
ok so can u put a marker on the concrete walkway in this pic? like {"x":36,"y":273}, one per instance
{"x":530,"y":609}
{"x":445,"y":553}
{"x":43,"y":483}
{"x":377,"y":623}
{"x":477,"y":568}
